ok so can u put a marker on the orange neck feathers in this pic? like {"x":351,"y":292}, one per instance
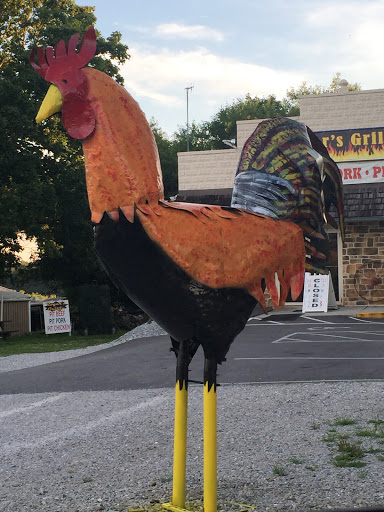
{"x":121,"y":159}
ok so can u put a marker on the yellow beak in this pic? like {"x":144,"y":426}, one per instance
{"x":52,"y":103}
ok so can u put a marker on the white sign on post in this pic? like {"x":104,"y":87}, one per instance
{"x":316,"y":292}
{"x":56,"y":316}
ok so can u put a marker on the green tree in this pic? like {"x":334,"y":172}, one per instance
{"x":168,"y":159}
{"x":42,"y":179}
{"x":200,"y":137}
{"x":223,"y":124}
{"x":293,"y":95}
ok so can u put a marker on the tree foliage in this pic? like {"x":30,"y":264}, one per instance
{"x":223,"y":124}
{"x":222,"y":127}
{"x":168,"y":159}
{"x":293,"y":95}
{"x":42,"y":179}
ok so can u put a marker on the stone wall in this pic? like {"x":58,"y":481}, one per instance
{"x":363,"y":263}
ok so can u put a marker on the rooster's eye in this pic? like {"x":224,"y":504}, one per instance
{"x":65,"y":81}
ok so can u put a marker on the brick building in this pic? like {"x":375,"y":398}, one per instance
{"x":351,"y":125}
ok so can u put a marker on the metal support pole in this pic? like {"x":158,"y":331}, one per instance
{"x":210,"y":436}
{"x":188,"y":89}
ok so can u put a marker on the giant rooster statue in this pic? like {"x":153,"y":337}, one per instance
{"x":197,"y":270}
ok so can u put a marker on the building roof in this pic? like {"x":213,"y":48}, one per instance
{"x":360,"y":201}
{"x":11,"y":295}
{"x":221,"y":197}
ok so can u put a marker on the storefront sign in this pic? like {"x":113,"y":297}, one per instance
{"x":56,"y":316}
{"x":362,"y":172}
{"x":352,"y":145}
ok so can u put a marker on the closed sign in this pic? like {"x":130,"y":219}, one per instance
{"x":316,"y":289}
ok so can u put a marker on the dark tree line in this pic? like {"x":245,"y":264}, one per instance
{"x":42,"y":181}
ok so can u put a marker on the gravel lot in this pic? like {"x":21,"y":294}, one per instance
{"x":89,"y":451}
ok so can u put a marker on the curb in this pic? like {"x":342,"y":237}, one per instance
{"x":377,"y":314}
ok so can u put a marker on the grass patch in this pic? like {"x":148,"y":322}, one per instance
{"x":295,"y":460}
{"x":166,"y":479}
{"x":376,"y":432}
{"x":349,"y":455}
{"x":344,"y":461}
{"x":342,"y":422}
{"x":279,"y":471}
{"x":33,"y":343}
{"x":372,"y":449}
{"x":348,"y":448}
{"x":333,"y":436}
{"x":376,"y":422}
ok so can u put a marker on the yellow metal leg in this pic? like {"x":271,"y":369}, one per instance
{"x":210,"y":448}
{"x":180,"y":430}
{"x":180,"y":445}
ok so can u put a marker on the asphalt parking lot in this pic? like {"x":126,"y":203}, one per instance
{"x":275,"y":348}
{"x":296,"y":348}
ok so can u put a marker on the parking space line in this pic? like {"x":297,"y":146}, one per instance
{"x":365,"y":321}
{"x":290,"y":338}
{"x":333,"y":328}
{"x":307,"y":357}
{"x":289,"y":324}
{"x":312,"y":381}
{"x":348,"y":335}
{"x":317,"y":319}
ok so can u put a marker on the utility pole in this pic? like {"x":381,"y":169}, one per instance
{"x":188,"y":89}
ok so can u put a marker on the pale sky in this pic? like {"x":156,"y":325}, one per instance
{"x":228,"y":49}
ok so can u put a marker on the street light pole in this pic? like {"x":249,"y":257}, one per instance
{"x":188,"y":89}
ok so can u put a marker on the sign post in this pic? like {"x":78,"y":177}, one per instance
{"x":56,"y":316}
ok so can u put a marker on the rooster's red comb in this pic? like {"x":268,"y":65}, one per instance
{"x":63,"y":57}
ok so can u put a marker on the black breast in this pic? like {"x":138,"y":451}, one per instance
{"x":185,"y":308}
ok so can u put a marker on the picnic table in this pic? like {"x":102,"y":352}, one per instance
{"x":5,"y":333}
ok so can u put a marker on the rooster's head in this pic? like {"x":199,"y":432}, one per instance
{"x":62,"y":67}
